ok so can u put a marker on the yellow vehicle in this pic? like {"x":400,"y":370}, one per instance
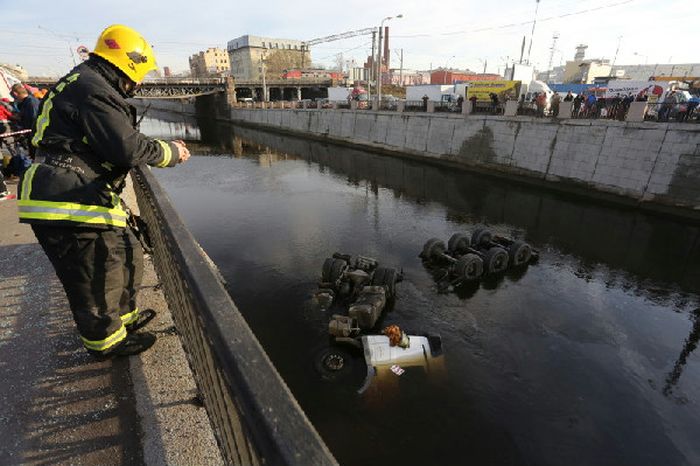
{"x":505,"y":90}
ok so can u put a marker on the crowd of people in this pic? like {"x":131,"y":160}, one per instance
{"x":17,"y":115}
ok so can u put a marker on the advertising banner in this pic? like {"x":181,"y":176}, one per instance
{"x":652,"y":89}
{"x":503,"y":89}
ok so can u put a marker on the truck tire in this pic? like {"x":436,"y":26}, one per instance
{"x":427,"y":248}
{"x":326,"y":270}
{"x":469,"y":267}
{"x":433,"y":249}
{"x":495,"y":260}
{"x":481,"y":237}
{"x":458,"y":243}
{"x":386,"y":277}
{"x":337,"y":268}
{"x":519,"y":253}
{"x":335,"y":364}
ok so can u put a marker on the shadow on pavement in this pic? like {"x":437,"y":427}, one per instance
{"x":59,"y":405}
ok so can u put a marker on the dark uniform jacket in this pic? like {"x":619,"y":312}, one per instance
{"x":86,"y":130}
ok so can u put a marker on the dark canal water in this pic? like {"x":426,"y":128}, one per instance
{"x":585,"y":358}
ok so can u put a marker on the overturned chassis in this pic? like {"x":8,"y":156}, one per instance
{"x":361,"y":283}
{"x":418,"y":351}
{"x":366,"y":288}
{"x":470,"y":257}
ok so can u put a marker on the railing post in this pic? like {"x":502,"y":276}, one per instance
{"x":511,"y":108}
{"x":430,"y":107}
{"x":565,"y":109}
{"x":401,"y":106}
{"x":636,"y":111}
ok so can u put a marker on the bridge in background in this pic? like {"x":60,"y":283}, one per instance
{"x":182,"y":88}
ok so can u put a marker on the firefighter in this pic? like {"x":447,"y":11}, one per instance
{"x":86,"y":135}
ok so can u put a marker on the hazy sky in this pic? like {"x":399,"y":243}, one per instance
{"x":456,"y":33}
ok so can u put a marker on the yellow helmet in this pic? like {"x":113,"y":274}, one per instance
{"x":127,"y":50}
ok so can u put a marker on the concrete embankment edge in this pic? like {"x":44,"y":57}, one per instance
{"x":649,"y":166}
{"x":175,"y":427}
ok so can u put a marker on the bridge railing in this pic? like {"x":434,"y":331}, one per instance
{"x":180,"y":80}
{"x":255,"y":417}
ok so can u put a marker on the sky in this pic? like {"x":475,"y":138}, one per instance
{"x":40,"y":35}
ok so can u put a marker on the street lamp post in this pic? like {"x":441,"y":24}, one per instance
{"x":379,"y":60}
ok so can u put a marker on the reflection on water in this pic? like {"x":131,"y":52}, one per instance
{"x":584,"y":358}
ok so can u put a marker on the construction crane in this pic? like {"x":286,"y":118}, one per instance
{"x":343,"y":35}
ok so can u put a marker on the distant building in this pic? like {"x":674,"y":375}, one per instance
{"x":211,"y":62}
{"x":357,"y":73}
{"x":585,"y":71}
{"x":312,"y":73}
{"x":644,"y":72}
{"x":246,"y":54}
{"x":409,"y":77}
{"x":445,"y":76}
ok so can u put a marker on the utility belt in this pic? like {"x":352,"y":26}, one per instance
{"x":74,"y":163}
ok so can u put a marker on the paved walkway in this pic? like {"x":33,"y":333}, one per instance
{"x":60,"y":406}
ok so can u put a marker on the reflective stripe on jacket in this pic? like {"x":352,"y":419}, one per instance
{"x":86,"y":134}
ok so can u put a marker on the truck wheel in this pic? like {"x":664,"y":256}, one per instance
{"x":337,"y":268}
{"x":469,"y":267}
{"x":495,"y":260}
{"x":334,"y":364}
{"x":386,"y":277}
{"x":326,"y":270}
{"x":519,"y":253}
{"x":433,"y":249}
{"x":481,"y":237}
{"x":427,"y":247}
{"x":458,"y":243}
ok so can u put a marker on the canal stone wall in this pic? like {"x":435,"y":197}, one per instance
{"x":649,"y":163}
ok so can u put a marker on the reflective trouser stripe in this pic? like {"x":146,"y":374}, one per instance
{"x":167,"y":154}
{"x":42,"y":122}
{"x":131,"y":317}
{"x":103,"y":345}
{"x":47,"y":210}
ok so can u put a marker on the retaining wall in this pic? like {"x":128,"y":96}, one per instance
{"x":655,"y":164}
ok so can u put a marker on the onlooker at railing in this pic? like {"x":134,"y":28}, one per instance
{"x":556,"y":99}
{"x":541,"y":102}
{"x":425,"y":102}
{"x":569,"y":97}
{"x":693,"y":104}
{"x":28,"y":106}
{"x":576,"y":111}
{"x":460,"y":102}
{"x":494,"y":102}
{"x":472,"y":102}
{"x":591,"y":107}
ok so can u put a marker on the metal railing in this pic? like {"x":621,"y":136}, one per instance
{"x":255,"y":417}
{"x":682,"y":112}
{"x":610,"y":109}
